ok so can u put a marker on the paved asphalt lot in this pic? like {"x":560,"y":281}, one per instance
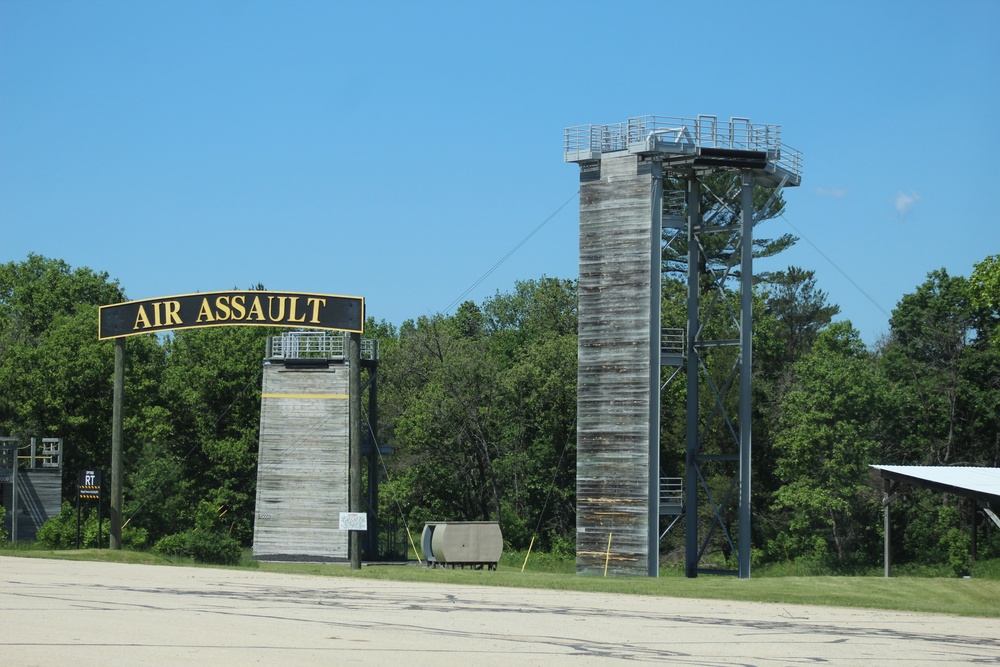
{"x":77,"y":614}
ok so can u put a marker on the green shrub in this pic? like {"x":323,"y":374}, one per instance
{"x":801,"y":567}
{"x":3,"y":533}
{"x":204,"y":546}
{"x":986,"y":569}
{"x":135,"y":538}
{"x":564,"y":547}
{"x":214,"y":547}
{"x":931,"y":570}
{"x":956,"y":542}
{"x":173,"y":545}
{"x":538,"y":561}
{"x":60,"y":531}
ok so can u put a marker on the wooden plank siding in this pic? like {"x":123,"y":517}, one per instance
{"x":39,"y":498}
{"x":302,"y":467}
{"x":618,"y":353}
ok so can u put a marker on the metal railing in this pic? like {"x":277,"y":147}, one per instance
{"x":672,"y":341}
{"x":8,"y":458}
{"x":582,"y":142}
{"x":317,"y":345}
{"x":671,"y":491}
{"x":789,"y":159}
{"x":674,"y":204}
{"x":28,"y":455}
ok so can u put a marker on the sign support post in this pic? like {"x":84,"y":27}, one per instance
{"x":13,"y":495}
{"x":115,"y":541}
{"x":89,"y":486}
{"x":354,"y":384}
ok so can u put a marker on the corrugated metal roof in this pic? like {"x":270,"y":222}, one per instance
{"x":976,"y":481}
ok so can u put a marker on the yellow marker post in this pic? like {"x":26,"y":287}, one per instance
{"x":607,"y":556}
{"x":530,"y":544}
{"x":412,"y":545}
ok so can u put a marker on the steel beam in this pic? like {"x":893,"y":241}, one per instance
{"x":746,"y":366}
{"x":693,"y":334}
{"x":655,"y":358}
{"x":701,"y":422}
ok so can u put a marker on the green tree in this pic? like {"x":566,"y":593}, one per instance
{"x":719,"y":209}
{"x":943,"y":364}
{"x":827,"y":437}
{"x":480,"y":408}
{"x":55,"y":375}
{"x":444,"y":390}
{"x":34,"y":292}
{"x":984,"y":284}
{"x":928,"y":350}
{"x":800,"y":311}
{"x":207,"y":449}
{"x":789,"y":314}
{"x":533,"y":336}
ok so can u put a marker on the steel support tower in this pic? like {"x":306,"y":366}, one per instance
{"x":623,"y":170}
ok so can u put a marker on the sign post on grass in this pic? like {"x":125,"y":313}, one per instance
{"x":89,"y":488}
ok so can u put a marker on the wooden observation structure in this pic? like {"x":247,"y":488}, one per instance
{"x":30,"y":484}
{"x":304,"y":463}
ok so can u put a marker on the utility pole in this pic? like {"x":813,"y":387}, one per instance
{"x":118,"y":402}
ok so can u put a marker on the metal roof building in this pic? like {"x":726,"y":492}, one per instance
{"x":979,"y":485}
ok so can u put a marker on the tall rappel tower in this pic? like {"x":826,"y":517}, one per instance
{"x":625,"y":218}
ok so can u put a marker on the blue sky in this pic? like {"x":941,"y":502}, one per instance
{"x":398,"y":151}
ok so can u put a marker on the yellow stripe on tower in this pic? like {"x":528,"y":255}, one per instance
{"x":306,"y":396}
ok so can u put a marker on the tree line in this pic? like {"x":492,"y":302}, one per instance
{"x":480,"y":409}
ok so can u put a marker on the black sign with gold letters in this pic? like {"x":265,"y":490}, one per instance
{"x":212,"y":309}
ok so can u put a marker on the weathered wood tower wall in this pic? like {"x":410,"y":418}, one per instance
{"x":303,"y":463}
{"x":619,"y":359}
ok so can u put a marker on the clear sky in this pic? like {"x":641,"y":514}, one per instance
{"x":399,"y":150}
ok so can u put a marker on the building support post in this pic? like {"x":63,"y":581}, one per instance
{"x":886,"y":488}
{"x":13,"y":492}
{"x":974,"y":528}
{"x":746,"y":368}
{"x":118,"y":402}
{"x":354,"y":476}
{"x":691,"y":466}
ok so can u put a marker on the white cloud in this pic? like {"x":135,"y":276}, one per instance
{"x":836,"y":193}
{"x":905,"y":202}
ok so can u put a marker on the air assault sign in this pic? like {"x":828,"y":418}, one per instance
{"x":212,"y":309}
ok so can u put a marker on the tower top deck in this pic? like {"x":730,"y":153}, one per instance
{"x":702,"y":144}
{"x":331,"y":345}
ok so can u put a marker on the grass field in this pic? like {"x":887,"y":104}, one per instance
{"x":976,"y":596}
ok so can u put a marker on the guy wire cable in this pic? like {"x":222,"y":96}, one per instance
{"x":509,"y":253}
{"x":252,"y":382}
{"x":399,"y":507}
